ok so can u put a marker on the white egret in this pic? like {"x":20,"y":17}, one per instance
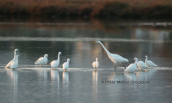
{"x":55,"y":63}
{"x":66,"y":65}
{"x":95,"y":63}
{"x":117,"y":59}
{"x":132,"y":67}
{"x":149,"y":63}
{"x":14,"y":63}
{"x":9,"y":64}
{"x":141,"y":64}
{"x":42,"y":60}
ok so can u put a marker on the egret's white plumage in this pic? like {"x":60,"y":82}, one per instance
{"x":141,"y":64}
{"x":95,"y":63}
{"x":149,"y":63}
{"x":42,"y":60}
{"x":55,"y":63}
{"x":117,"y":59}
{"x":132,"y":67}
{"x":14,"y":63}
{"x":66,"y":65}
{"x":9,"y":64}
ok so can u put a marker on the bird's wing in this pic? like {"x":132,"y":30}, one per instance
{"x":118,"y":58}
{"x":93,"y":64}
{"x":151,"y":63}
{"x":142,"y":64}
{"x":8,"y":65}
{"x":14,"y":64}
{"x":63,"y":64}
{"x":39,"y":60}
{"x":131,"y":67}
{"x":52,"y":62}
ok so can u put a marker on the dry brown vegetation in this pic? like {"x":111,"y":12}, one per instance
{"x":88,"y":8}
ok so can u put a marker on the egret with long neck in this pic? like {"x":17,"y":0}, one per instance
{"x":55,"y":63}
{"x":132,"y":67}
{"x":14,"y":63}
{"x":15,"y":55}
{"x":149,"y":63}
{"x":115,"y":58}
{"x":95,"y":63}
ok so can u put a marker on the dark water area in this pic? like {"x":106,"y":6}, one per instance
{"x":81,"y":83}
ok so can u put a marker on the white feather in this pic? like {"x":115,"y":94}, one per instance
{"x":149,"y":62}
{"x":9,"y":64}
{"x":142,"y":65}
{"x":14,"y":63}
{"x":132,"y":67}
{"x":95,"y":63}
{"x":66,"y":64}
{"x":55,"y":63}
{"x":42,"y":60}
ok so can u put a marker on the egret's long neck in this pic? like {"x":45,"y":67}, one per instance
{"x":16,"y":59}
{"x":105,"y":49}
{"x":136,"y":61}
{"x":14,"y":54}
{"x":146,"y":60}
{"x":58,"y":57}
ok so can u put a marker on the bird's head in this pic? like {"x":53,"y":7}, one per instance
{"x":146,"y":56}
{"x":18,"y":56}
{"x":96,"y":42}
{"x":135,"y":58}
{"x":96,"y":58}
{"x":60,"y":53}
{"x":68,"y":60}
{"x":46,"y":55}
{"x":17,"y":50}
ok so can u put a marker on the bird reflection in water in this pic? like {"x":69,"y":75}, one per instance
{"x":65,"y":85}
{"x":94,"y":85}
{"x":130,"y":76}
{"x":55,"y":83}
{"x":14,"y":80}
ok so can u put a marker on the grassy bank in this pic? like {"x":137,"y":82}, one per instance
{"x":86,"y":8}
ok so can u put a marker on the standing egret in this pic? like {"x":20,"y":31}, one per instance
{"x":9,"y":64}
{"x":95,"y":63}
{"x":14,"y":63}
{"x":132,"y":67}
{"x":42,"y":60}
{"x":141,"y":64}
{"x":55,"y":63}
{"x":117,"y":59}
{"x":149,"y":63}
{"x":66,"y":65}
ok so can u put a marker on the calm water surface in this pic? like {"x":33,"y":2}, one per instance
{"x":81,"y":83}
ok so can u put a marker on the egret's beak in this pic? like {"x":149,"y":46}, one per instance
{"x":20,"y":51}
{"x":93,"y":42}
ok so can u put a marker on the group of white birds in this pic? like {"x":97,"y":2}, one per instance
{"x":41,"y":61}
{"x":115,"y":58}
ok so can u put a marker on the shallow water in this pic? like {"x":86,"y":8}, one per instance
{"x":81,"y":83}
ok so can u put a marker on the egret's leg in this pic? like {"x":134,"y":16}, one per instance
{"x":115,"y":67}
